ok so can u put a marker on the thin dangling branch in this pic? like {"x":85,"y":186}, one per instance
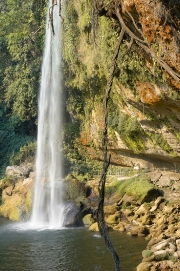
{"x":101,"y":188}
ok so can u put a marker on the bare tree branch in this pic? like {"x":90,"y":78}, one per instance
{"x":101,"y":188}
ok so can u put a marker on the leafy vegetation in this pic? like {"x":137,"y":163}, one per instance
{"x":13,"y":135}
{"x":87,"y":54}
{"x":21,"y":44}
{"x":128,"y":128}
{"x":159,"y":140}
{"x":23,"y":36}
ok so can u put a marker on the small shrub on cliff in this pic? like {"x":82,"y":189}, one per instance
{"x":162,"y":142}
{"x":26,"y":152}
{"x":128,"y":128}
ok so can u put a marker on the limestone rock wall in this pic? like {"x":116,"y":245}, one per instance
{"x":144,"y":111}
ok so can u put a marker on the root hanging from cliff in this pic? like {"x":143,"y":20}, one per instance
{"x":143,"y":44}
{"x":106,"y":162}
{"x":134,"y":32}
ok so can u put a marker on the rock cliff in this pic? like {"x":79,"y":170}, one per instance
{"x":144,"y":112}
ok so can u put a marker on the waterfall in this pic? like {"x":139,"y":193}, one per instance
{"x":48,"y":204}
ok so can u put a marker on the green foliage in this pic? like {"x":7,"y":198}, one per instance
{"x":75,"y":104}
{"x":26,"y":153}
{"x":128,"y":128}
{"x":21,"y":44}
{"x":84,"y":10}
{"x":6,"y":182}
{"x":78,"y":163}
{"x":71,"y":131}
{"x":132,"y":69}
{"x":162,"y":142}
{"x":71,"y":37}
{"x":13,"y":136}
{"x":21,"y":41}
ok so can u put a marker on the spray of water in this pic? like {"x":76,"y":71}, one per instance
{"x":48,"y":205}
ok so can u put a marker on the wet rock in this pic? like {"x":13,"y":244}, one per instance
{"x":94,"y":227}
{"x":72,"y":215}
{"x":88,"y":220}
{"x":119,"y":227}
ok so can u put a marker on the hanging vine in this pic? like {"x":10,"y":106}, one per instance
{"x":106,"y":161}
{"x":137,"y":37}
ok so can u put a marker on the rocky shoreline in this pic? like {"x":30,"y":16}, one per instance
{"x":155,"y":216}
{"x":157,"y":220}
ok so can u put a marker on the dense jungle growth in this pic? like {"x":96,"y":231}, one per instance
{"x":143,"y":108}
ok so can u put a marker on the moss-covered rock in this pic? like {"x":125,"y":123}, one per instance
{"x":113,"y":219}
{"x":94,"y":227}
{"x":144,"y":267}
{"x":73,"y":188}
{"x":88,"y":220}
{"x":16,"y":198}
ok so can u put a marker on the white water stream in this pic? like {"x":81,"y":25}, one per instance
{"x":48,"y":205}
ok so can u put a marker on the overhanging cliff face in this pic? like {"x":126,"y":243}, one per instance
{"x":144,"y":109}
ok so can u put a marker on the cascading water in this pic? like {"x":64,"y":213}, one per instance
{"x":48,"y":205}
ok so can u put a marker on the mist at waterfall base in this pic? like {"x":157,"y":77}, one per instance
{"x":27,"y":249}
{"x":48,"y":204}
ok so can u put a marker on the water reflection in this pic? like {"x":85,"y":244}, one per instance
{"x":64,"y":250}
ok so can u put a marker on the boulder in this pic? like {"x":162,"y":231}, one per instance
{"x":73,"y":188}
{"x":18,"y":171}
{"x":144,"y":266}
{"x":88,"y":220}
{"x":157,"y":202}
{"x":110,"y":209}
{"x":113,"y":219}
{"x":154,"y":176}
{"x":138,"y":230}
{"x":94,"y":227}
{"x":142,"y":210}
{"x":72,"y":215}
{"x":119,"y":227}
{"x":164,"y":181}
{"x":16,"y":198}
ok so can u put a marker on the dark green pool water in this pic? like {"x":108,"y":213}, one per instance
{"x":25,"y":249}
